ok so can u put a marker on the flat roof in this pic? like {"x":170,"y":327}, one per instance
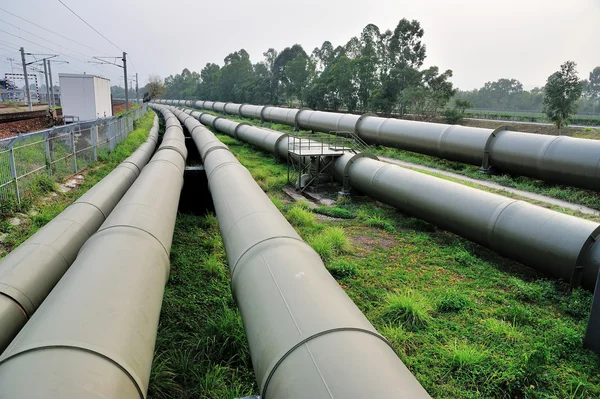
{"x":81,"y":75}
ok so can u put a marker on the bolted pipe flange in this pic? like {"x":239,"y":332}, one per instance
{"x":485,"y":166}
{"x":296,"y":124}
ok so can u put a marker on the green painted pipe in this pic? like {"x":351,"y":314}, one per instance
{"x":559,"y":159}
{"x":30,"y":271}
{"x":307,"y":339}
{"x":551,"y":242}
{"x":94,"y":336}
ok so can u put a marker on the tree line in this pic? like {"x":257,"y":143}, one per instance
{"x":508,"y":95}
{"x":377,"y":71}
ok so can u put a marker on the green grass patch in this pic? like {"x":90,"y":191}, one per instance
{"x":329,"y":242}
{"x":341,"y":269}
{"x":335,"y":212}
{"x":201,"y":349}
{"x":408,"y":309}
{"x":299,"y":216}
{"x":453,"y":301}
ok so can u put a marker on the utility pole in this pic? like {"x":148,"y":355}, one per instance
{"x":26,"y":81}
{"x":47,"y":84}
{"x":125,"y":74}
{"x":51,"y":86}
{"x":137,"y":89}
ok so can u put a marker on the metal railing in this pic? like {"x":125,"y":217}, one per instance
{"x":60,"y":151}
{"x":334,"y":143}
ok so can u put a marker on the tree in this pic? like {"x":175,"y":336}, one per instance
{"x":563,"y":89}
{"x":298,"y":73}
{"x":155,"y":87}
{"x":593,"y":86}
{"x":462,"y":105}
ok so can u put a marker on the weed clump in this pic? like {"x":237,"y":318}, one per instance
{"x":466,"y":356}
{"x":342,"y":269}
{"x":335,"y":212}
{"x":578,"y":304}
{"x":331,"y":241}
{"x":502,"y":329}
{"x":299,"y":216}
{"x":381,"y":223}
{"x":408,"y":310}
{"x":529,"y":292}
{"x":453,"y":301}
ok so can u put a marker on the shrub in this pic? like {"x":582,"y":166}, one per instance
{"x":452,"y":115}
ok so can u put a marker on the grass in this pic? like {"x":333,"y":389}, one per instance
{"x":465,"y":321}
{"x":299,"y":216}
{"x":43,"y":201}
{"x":201,"y":349}
{"x":408,"y":309}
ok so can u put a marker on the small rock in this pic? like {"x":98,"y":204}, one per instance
{"x":63,"y":188}
{"x":53,"y":194}
{"x":14,"y":221}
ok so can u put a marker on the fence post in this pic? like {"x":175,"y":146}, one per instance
{"x":94,"y":134}
{"x":48,"y":155}
{"x":73,"y":149}
{"x":13,"y":171}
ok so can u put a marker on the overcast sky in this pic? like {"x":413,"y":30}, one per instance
{"x":480,"y":40}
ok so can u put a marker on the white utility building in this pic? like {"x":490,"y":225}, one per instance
{"x":85,"y":96}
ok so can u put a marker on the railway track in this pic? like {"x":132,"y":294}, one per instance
{"x":20,"y":116}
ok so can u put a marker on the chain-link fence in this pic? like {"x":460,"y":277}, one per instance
{"x":59,"y":152}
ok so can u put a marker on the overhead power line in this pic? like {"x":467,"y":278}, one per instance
{"x":85,"y":22}
{"x":43,"y":38}
{"x":51,"y":31}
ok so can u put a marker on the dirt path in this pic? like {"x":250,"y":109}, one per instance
{"x":496,"y":186}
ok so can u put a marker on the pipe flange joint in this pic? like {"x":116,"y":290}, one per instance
{"x":277,"y":155}
{"x":485,"y":166}
{"x":281,"y":357}
{"x":346,"y":176}
{"x":296,"y":123}
{"x":235,"y":136}
{"x":262,"y":113}
{"x":225,"y":107}
{"x":580,"y":267}
{"x":360,"y":119}
{"x":240,"y":109}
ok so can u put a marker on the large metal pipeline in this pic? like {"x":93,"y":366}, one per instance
{"x":559,"y":159}
{"x":30,"y":271}
{"x":559,"y":245}
{"x":307,"y":339}
{"x":94,"y":336}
